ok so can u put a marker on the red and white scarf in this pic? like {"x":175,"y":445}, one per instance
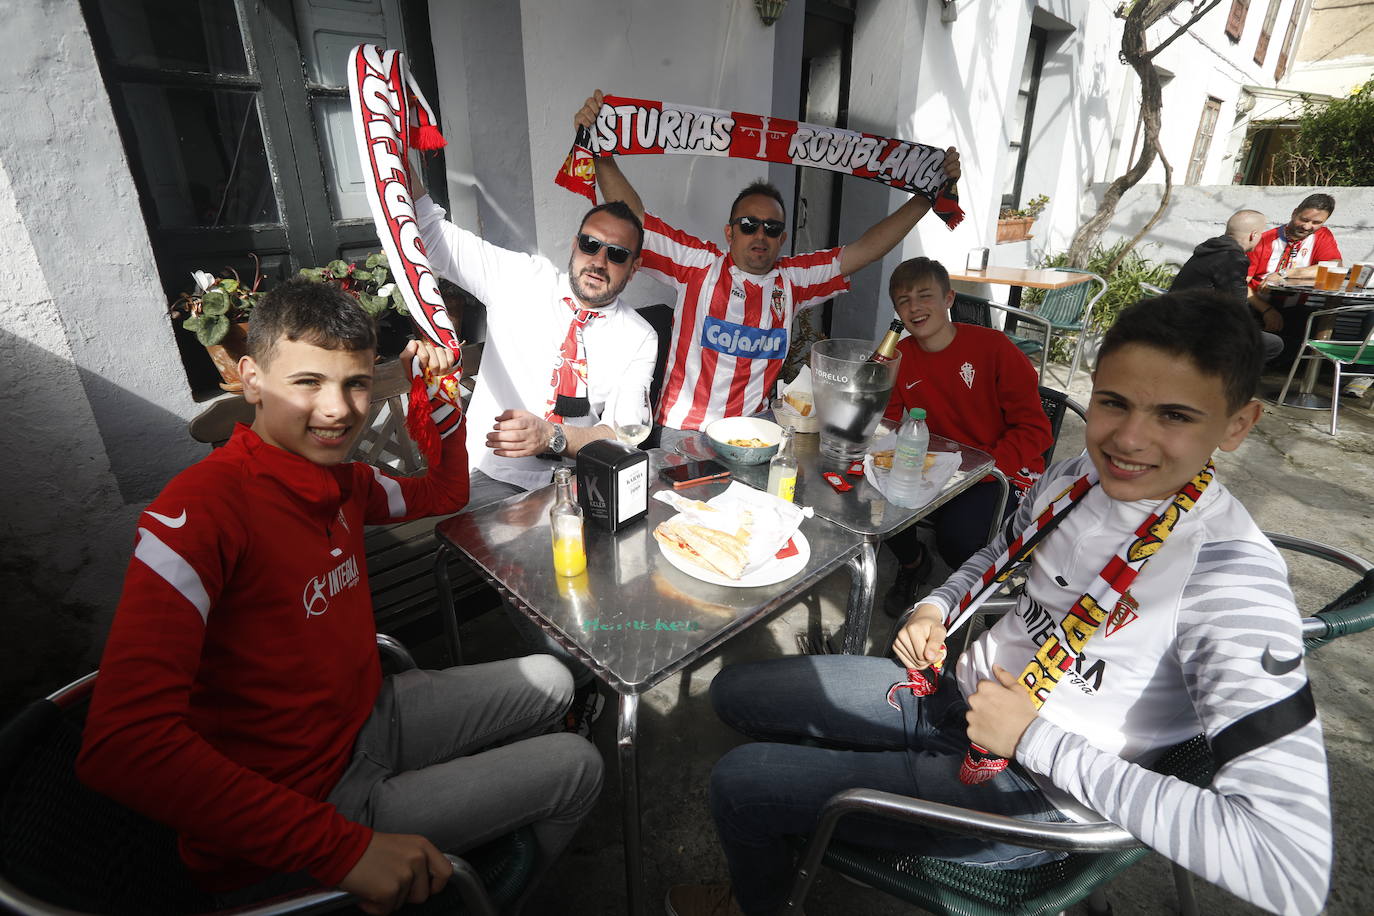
{"x":568,"y":383}
{"x":1060,"y":650}
{"x":390,"y":116}
{"x":626,"y":127}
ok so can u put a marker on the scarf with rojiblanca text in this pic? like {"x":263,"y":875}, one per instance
{"x":1060,"y":650}
{"x":627,"y":127}
{"x":390,"y":117}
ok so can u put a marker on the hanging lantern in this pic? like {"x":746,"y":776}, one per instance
{"x":770,"y":10}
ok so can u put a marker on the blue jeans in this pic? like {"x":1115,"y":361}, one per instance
{"x":762,"y":793}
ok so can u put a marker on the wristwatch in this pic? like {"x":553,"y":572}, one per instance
{"x":558,"y":441}
{"x":1283,"y":273}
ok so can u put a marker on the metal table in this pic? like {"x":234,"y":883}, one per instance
{"x":863,"y":510}
{"x":1313,"y":299}
{"x":632,"y":618}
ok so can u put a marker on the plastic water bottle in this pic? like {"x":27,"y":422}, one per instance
{"x":909,"y":460}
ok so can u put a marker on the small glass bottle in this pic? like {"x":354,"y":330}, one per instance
{"x":782,"y":469}
{"x":565,"y":519}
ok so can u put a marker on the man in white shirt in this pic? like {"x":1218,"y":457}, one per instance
{"x":560,"y":345}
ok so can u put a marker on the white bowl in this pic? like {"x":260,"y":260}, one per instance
{"x":723,"y":430}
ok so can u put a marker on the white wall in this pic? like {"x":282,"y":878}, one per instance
{"x":96,"y":396}
{"x":716,"y":55}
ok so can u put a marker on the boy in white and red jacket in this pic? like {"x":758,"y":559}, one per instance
{"x":240,"y":698}
{"x":977,"y":388}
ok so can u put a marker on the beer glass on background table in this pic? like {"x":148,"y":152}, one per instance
{"x":851,"y":393}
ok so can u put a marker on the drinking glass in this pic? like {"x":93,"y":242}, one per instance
{"x":629,"y":414}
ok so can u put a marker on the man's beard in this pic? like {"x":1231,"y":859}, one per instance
{"x":594,"y":301}
{"x":1297,"y":233}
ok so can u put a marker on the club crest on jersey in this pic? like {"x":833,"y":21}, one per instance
{"x":1125,"y":611}
{"x":737,"y":340}
{"x":777,"y":306}
{"x":966,"y":373}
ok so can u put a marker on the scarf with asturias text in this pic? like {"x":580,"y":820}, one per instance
{"x":629,"y":127}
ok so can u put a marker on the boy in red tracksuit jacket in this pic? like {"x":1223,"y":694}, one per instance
{"x":240,"y":698}
{"x":977,"y":388}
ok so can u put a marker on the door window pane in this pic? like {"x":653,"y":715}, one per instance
{"x":198,"y":37}
{"x":339,"y":149}
{"x":202,"y":156}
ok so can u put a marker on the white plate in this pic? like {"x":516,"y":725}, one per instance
{"x":774,"y":570}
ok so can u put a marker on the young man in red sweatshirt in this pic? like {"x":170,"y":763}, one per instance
{"x":240,"y":697}
{"x":977,"y":388}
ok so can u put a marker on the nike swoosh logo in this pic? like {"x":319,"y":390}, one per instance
{"x":1277,"y":668}
{"x":169,"y":522}
{"x":911,"y":385}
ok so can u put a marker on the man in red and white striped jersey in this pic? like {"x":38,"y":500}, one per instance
{"x":734,"y":308}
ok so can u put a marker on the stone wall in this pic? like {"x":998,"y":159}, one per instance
{"x":1199,"y":212}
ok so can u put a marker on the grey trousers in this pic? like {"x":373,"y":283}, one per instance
{"x":463,"y":756}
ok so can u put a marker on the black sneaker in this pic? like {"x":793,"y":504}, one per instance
{"x":585,"y":709}
{"x":902,"y":594}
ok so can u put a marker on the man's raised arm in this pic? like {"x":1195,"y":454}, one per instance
{"x":884,"y":235}
{"x":613,"y":183}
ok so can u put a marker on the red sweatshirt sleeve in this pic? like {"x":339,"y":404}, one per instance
{"x":139,"y":747}
{"x":1027,"y":433}
{"x":440,"y":491}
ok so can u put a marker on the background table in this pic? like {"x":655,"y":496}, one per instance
{"x":1019,"y":277}
{"x":1310,"y":299}
{"x":632,"y":618}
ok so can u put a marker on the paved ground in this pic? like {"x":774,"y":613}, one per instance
{"x":1292,"y":476}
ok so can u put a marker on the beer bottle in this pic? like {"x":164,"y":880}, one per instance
{"x":887,"y":347}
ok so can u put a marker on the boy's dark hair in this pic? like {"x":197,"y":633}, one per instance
{"x":620,"y":210}
{"x":1214,"y":332}
{"x":1318,"y":202}
{"x":913,"y":269}
{"x":761,"y":187}
{"x":319,"y":314}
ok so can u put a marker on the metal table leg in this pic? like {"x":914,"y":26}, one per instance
{"x":629,"y":800}
{"x":863,"y":580}
{"x":446,"y":608}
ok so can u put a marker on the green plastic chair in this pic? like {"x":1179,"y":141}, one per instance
{"x":1356,"y":354}
{"x":1097,"y":852}
{"x":1069,"y":310}
{"x":66,"y":850}
{"x":969,"y":309}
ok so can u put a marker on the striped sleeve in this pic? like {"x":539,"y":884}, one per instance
{"x":1262,"y":830}
{"x":815,"y":277}
{"x":671,"y":255}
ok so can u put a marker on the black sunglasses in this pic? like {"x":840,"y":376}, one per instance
{"x":590,"y":245}
{"x":750,"y":224}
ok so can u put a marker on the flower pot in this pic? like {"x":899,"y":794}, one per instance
{"x":227,"y":353}
{"x":1014,"y":230}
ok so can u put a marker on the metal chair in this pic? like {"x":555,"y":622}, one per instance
{"x":1355,"y":353}
{"x":1070,"y":310}
{"x":1056,"y":404}
{"x":977,"y":310}
{"x":1097,"y":852}
{"x":1150,"y":289}
{"x":66,"y":850}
